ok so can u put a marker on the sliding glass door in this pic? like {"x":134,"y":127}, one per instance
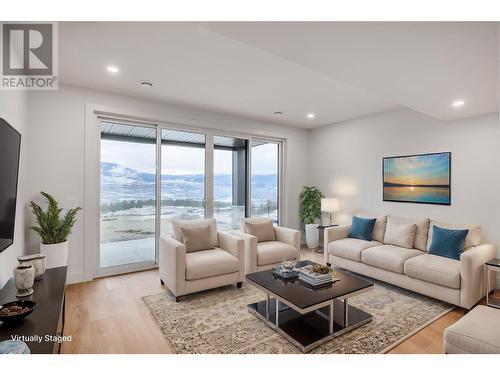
{"x":265,"y":179}
{"x":128,"y":195}
{"x":229,"y":181}
{"x":182,"y":177}
{"x":151,"y":175}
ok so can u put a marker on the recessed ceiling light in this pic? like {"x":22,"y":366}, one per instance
{"x":458,"y":103}
{"x":311,"y":115}
{"x":146,"y":84}
{"x":278,"y":113}
{"x":112,"y":69}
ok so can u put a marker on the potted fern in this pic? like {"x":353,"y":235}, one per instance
{"x":54,"y":230}
{"x":310,"y":212}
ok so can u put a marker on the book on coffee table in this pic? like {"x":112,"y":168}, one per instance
{"x":308,"y":276}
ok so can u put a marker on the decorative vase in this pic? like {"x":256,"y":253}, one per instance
{"x":312,"y":236}
{"x":57,"y":254}
{"x":24,"y":277}
{"x":38,"y":261}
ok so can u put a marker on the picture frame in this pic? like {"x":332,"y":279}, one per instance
{"x":417,"y":178}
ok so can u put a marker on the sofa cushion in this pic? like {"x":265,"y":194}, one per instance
{"x":447,"y":243}
{"x":263,"y":230}
{"x":361,"y":229}
{"x":473,"y":237}
{"x":475,"y":333}
{"x":178,"y":224}
{"x":273,"y":252}
{"x":208,"y":263}
{"x":378,"y":228}
{"x":434,"y":269}
{"x":421,"y":232}
{"x":400,"y":234}
{"x":196,"y":238}
{"x":350,"y":248}
{"x":388,"y":257}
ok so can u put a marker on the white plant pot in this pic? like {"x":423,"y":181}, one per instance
{"x":312,"y":236}
{"x":57,"y":254}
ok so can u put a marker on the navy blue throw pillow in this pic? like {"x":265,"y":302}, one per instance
{"x":448,"y":243}
{"x":361,"y":229}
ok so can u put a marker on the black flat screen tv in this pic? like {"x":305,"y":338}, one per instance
{"x":10,"y":146}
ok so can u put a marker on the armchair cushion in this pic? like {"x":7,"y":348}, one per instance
{"x":208,"y":263}
{"x":196,"y":238}
{"x":272,"y":252}
{"x":178,"y":224}
{"x":263,"y":230}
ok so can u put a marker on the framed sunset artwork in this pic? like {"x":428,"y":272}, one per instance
{"x":421,"y":178}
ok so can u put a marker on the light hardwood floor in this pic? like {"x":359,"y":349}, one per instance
{"x":107,"y":315}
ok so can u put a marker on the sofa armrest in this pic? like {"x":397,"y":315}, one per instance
{"x":289,"y":236}
{"x":472,"y":273}
{"x":172,"y":264}
{"x":250,"y":250}
{"x":334,"y":234}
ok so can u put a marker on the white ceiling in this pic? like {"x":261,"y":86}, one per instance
{"x":335,"y":70}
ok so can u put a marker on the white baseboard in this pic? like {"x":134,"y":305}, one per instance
{"x":75,"y":277}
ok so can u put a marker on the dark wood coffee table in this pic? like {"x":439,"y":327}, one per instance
{"x":305,"y":316}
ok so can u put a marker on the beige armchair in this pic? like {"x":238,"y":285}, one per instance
{"x":197,"y":257}
{"x":267,"y":245}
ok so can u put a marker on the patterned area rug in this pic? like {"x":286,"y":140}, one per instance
{"x":218,"y":321}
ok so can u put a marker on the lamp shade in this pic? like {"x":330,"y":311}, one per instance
{"x":330,"y":204}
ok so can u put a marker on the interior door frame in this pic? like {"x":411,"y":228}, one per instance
{"x":94,"y":114}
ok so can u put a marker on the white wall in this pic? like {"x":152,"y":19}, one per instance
{"x":348,"y":157}
{"x":13,"y":109}
{"x":343,"y":159}
{"x":57,"y":150}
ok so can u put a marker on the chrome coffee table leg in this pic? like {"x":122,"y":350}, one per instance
{"x":268,"y":303}
{"x":277,"y":312}
{"x":346,"y":313}
{"x":331,"y":319}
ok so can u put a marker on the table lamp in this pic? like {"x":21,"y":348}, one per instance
{"x":330,"y":205}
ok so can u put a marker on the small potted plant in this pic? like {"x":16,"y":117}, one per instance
{"x":310,"y":211}
{"x":54,"y":230}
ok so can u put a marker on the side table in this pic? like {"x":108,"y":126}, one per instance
{"x":321,"y":228}
{"x":492,"y":265}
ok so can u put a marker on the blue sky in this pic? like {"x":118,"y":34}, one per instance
{"x":418,"y":170}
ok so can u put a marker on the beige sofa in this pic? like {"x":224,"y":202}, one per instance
{"x":457,"y":282}
{"x":187,"y":272}
{"x":264,"y":255}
